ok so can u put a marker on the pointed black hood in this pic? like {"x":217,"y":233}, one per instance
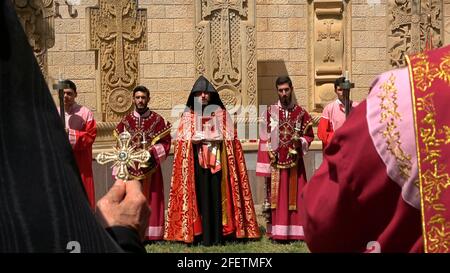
{"x":42,"y":200}
{"x":202,"y":84}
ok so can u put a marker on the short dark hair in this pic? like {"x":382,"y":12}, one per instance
{"x":338,"y":82}
{"x":71,"y":85}
{"x":282,"y":80}
{"x":141,"y":88}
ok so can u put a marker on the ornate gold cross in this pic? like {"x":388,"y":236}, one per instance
{"x":285,"y":132}
{"x":124,"y":156}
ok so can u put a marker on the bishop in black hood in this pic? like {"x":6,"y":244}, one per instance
{"x":202,"y":84}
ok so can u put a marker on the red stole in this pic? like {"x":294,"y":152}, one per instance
{"x":290,"y":122}
{"x":430,"y":82}
{"x":209,"y":153}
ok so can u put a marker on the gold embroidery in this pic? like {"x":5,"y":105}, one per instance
{"x":439,"y":235}
{"x":425,"y":72}
{"x":434,"y":179}
{"x":390,"y":116}
{"x":433,"y":184}
{"x":444,"y":68}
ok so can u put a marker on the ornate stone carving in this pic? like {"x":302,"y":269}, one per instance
{"x":411,"y":22}
{"x":328,"y":35}
{"x":225,"y":49}
{"x":37,"y":18}
{"x":73,"y":12}
{"x":329,"y":48}
{"x":118,"y":31}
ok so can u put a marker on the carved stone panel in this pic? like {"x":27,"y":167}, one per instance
{"x":327,"y":29}
{"x":37,"y":18}
{"x":414,"y":26}
{"x":118,"y":31}
{"x":225,"y":49}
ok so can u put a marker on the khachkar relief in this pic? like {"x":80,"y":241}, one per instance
{"x":225,"y":49}
{"x":414,"y":26}
{"x":329,"y":49}
{"x":37,"y":18}
{"x":118,"y":31}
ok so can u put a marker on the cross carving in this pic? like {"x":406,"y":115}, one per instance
{"x":224,"y":7}
{"x":117,"y":31}
{"x":124,"y":156}
{"x":328,"y":35}
{"x":414,"y":20}
{"x":116,"y":24}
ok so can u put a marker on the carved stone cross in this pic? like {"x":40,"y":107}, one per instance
{"x":328,"y":35}
{"x":415,"y":19}
{"x":225,"y":61}
{"x":118,"y":31}
{"x":124,"y":156}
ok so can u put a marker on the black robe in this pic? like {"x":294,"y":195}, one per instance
{"x":43,"y":204}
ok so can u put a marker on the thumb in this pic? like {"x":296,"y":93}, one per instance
{"x":117,"y":192}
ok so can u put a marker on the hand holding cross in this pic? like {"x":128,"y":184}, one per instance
{"x":124,"y":156}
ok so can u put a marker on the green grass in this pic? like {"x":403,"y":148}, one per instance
{"x":263,"y":245}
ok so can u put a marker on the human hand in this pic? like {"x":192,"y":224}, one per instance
{"x":124,"y":205}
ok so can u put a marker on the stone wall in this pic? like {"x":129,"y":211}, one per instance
{"x":70,"y":57}
{"x":369,"y":56}
{"x":167,"y":65}
{"x":281,"y":47}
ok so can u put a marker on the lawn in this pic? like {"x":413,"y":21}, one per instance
{"x":264,"y":245}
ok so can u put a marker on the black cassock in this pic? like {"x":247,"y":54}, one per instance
{"x":43,"y":206}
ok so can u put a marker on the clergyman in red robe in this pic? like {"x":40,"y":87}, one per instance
{"x":384,"y":184}
{"x":82,"y":130}
{"x":149,"y":131}
{"x":285,"y":135}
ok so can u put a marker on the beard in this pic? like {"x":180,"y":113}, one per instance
{"x":140,"y":108}
{"x":285,"y":100}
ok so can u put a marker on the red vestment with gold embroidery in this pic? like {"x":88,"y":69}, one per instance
{"x":286,"y":134}
{"x":145,"y":128}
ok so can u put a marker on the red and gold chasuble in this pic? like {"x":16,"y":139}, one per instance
{"x":146,"y":131}
{"x":286,"y":127}
{"x":430,"y":81}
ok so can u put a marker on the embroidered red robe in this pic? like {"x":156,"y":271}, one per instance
{"x":286,"y":134}
{"x":147,"y":128}
{"x":384,"y":182}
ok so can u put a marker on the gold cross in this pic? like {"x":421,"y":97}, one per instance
{"x":285,"y":132}
{"x":124,"y":155}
